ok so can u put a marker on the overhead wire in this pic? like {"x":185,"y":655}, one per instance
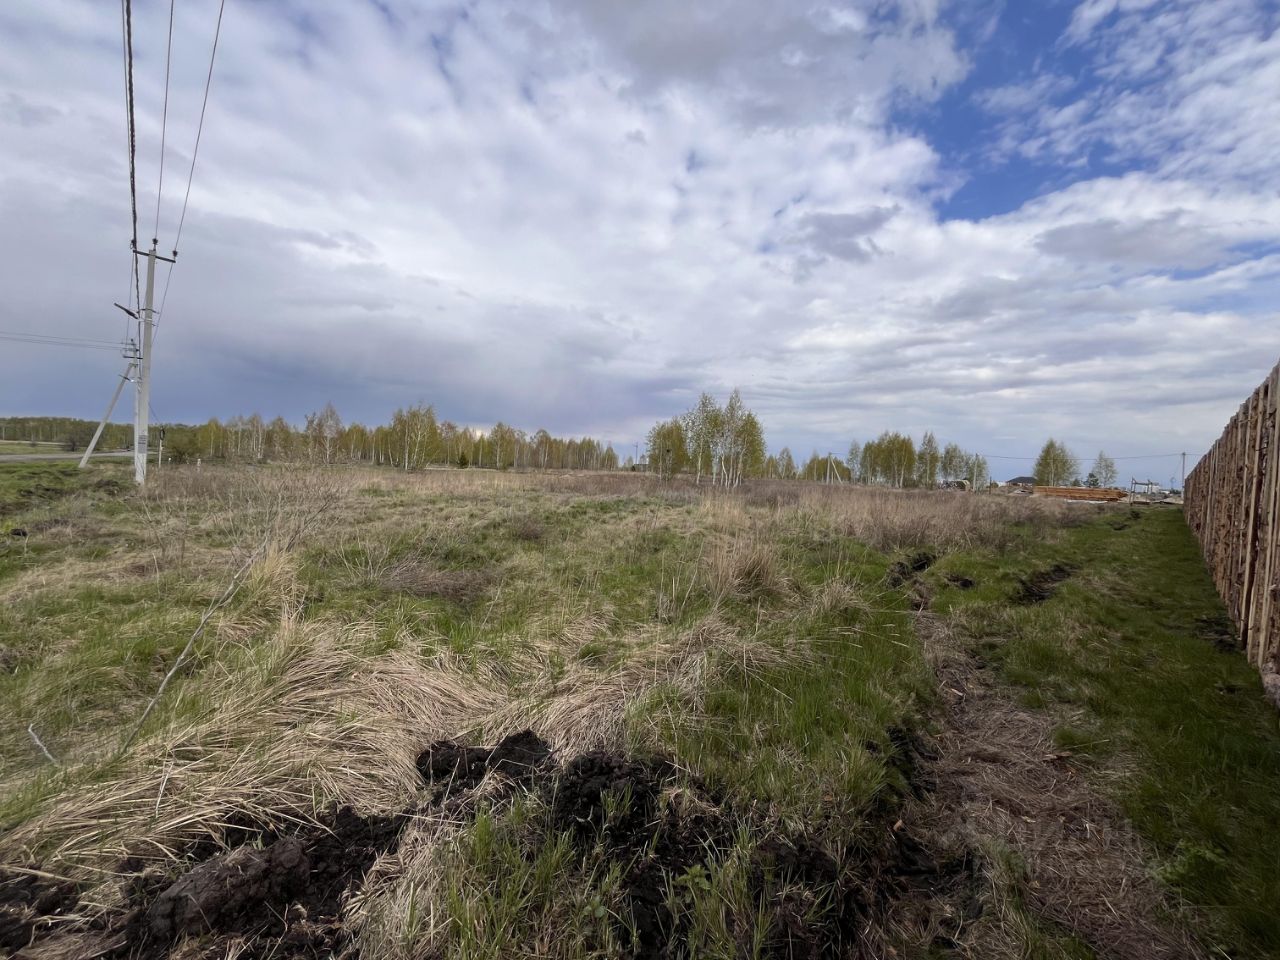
{"x":164,"y":118}
{"x":204,"y":105}
{"x":126,"y":22}
{"x":19,"y":336}
{"x":1139,"y":456}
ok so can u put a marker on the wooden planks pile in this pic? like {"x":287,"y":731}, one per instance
{"x":1233,"y":507}
{"x":1110,"y":494}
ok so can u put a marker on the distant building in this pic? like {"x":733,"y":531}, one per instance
{"x":1022,"y":482}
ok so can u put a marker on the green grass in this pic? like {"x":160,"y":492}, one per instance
{"x":532,"y":584}
{"x":1127,"y":644}
{"x":26,"y":446}
{"x":26,"y":485}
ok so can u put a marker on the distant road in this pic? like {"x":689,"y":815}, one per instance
{"x":22,"y":457}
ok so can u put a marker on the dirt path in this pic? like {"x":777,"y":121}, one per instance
{"x":999,"y":788}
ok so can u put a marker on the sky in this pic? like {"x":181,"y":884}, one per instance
{"x":999,"y":221}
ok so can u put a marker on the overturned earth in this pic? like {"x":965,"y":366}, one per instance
{"x":266,"y":891}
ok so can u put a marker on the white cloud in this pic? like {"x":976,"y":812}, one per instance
{"x":579,"y":215}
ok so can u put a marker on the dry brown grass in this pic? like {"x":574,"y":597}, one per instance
{"x":1046,"y":834}
{"x":423,"y":580}
{"x":279,"y":730}
{"x":743,"y":569}
{"x":900,"y":519}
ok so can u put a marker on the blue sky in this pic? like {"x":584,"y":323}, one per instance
{"x":998,"y":221}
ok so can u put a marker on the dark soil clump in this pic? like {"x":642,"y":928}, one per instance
{"x":961,"y":582}
{"x":520,"y":754}
{"x":1041,"y":585}
{"x":230,"y":892}
{"x":451,"y":763}
{"x":451,"y":767}
{"x":27,"y":904}
{"x":283,"y":898}
{"x":903,"y":571}
{"x":665,"y":831}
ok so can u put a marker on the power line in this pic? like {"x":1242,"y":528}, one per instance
{"x":182,"y":219}
{"x":208,"y":82}
{"x":126,"y":22}
{"x":18,"y":336}
{"x":1142,"y":456}
{"x":164,"y":117}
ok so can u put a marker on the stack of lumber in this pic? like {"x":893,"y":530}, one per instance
{"x":1107,"y":494}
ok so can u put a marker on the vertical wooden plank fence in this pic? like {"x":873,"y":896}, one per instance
{"x":1233,"y":507}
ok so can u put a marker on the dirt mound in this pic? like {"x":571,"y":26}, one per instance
{"x":29,"y":903}
{"x":284,"y":898}
{"x":1041,"y":585}
{"x":452,"y":766}
{"x":581,"y":794}
{"x":665,"y":834}
{"x":236,"y":891}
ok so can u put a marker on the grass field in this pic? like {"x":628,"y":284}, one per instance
{"x":27,"y":446}
{"x":503,"y":715}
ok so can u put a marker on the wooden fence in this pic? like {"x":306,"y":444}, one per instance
{"x":1233,"y":507}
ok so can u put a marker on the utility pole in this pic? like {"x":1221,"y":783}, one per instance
{"x":1183,"y":488}
{"x":142,"y":398}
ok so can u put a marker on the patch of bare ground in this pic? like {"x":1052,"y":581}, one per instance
{"x":1052,"y":851}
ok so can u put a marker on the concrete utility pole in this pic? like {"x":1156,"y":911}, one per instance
{"x":142,"y":397}
{"x":1183,"y":488}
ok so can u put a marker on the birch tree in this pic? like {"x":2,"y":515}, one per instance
{"x":1104,"y":468}
{"x":1056,"y":466}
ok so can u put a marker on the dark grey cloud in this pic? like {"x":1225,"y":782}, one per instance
{"x":1166,"y":242}
{"x":579,"y":215}
{"x":776,"y":63}
{"x":846,"y":236}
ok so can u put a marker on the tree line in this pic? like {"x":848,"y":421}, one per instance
{"x":894,"y":459}
{"x":723,"y":444}
{"x":415,"y":438}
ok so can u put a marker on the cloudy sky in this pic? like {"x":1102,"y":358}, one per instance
{"x":997,"y":220}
